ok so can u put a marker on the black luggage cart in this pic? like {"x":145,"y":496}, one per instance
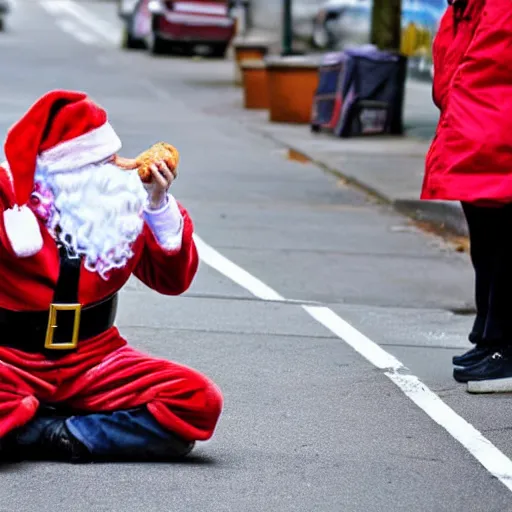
{"x":328,"y":100}
{"x":361,"y":92}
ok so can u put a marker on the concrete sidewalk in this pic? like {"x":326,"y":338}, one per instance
{"x":389,"y":168}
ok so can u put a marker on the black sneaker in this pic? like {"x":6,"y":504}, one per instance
{"x":473,"y":356}
{"x":9,"y":450}
{"x":55,"y":443}
{"x":493,"y":367}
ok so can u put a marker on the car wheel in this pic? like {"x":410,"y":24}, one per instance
{"x":321,"y":36}
{"x":219,"y":50}
{"x":157,"y":45}
{"x":128,"y":42}
{"x":187,"y":49}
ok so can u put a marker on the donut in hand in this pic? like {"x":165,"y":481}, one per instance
{"x":161,"y":151}
{"x":158,"y":152}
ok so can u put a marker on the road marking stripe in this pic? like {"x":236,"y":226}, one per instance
{"x":50,"y":6}
{"x":73,"y":29}
{"x":351,"y":336}
{"x":490,"y":457}
{"x":498,"y":464}
{"x":237,"y":274}
{"x":98,"y":26}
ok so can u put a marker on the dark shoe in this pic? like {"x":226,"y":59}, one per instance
{"x":15,"y":444}
{"x":187,"y":448}
{"x":473,"y":356}
{"x":493,"y":367}
{"x":9,"y":450}
{"x":53,"y":442}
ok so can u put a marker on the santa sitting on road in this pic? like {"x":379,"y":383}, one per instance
{"x":74,"y":226}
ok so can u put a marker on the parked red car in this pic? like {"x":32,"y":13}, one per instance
{"x":159,"y":24}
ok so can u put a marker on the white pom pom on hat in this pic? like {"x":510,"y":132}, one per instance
{"x":63,"y":131}
{"x":23,"y":232}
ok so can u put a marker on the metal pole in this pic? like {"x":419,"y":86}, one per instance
{"x":287,"y":28}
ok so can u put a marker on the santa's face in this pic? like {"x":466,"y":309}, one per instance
{"x":95,"y":211}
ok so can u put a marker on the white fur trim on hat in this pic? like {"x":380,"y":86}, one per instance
{"x":90,"y":148}
{"x":22,"y":230}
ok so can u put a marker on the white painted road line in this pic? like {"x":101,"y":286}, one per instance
{"x":99,"y":26}
{"x":497,"y":463}
{"x":51,"y":7}
{"x":102,"y":30}
{"x":351,"y":336}
{"x":492,"y":459}
{"x":237,"y":274}
{"x":74,"y":30}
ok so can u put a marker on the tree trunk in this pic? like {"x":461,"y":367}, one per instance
{"x":386,"y":24}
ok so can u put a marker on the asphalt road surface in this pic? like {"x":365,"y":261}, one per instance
{"x":328,"y":320}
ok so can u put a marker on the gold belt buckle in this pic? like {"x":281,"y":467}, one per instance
{"x":52,"y":325}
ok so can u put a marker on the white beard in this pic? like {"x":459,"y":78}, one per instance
{"x":98,"y":210}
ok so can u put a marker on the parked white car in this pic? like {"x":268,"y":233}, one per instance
{"x":330,"y":28}
{"x":341,"y":22}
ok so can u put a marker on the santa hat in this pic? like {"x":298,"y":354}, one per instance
{"x":62,"y":132}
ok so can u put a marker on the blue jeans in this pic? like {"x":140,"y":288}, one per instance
{"x":122,"y":433}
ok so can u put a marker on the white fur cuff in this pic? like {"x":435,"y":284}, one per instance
{"x":166,"y":224}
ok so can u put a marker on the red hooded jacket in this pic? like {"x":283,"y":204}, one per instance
{"x":470,"y":158}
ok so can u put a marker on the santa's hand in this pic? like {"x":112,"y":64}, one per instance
{"x":162,"y":178}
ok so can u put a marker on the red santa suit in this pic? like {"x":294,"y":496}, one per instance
{"x":62,"y":132}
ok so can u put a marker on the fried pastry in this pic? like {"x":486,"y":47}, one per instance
{"x":161,"y":151}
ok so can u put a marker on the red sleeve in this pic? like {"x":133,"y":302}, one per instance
{"x":168,"y":272}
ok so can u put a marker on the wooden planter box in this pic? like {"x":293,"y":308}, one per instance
{"x":254,"y":77}
{"x":246,"y":50}
{"x":292,"y":83}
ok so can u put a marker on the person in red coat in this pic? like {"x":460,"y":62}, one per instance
{"x":73,"y":228}
{"x":470,"y":160}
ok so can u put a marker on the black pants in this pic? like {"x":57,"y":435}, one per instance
{"x":490,"y":231}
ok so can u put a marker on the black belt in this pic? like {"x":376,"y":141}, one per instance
{"x":56,"y":332}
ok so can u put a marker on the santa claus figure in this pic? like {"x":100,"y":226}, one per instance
{"x":77,"y":221}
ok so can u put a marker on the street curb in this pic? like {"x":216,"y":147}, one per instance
{"x":443,"y":216}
